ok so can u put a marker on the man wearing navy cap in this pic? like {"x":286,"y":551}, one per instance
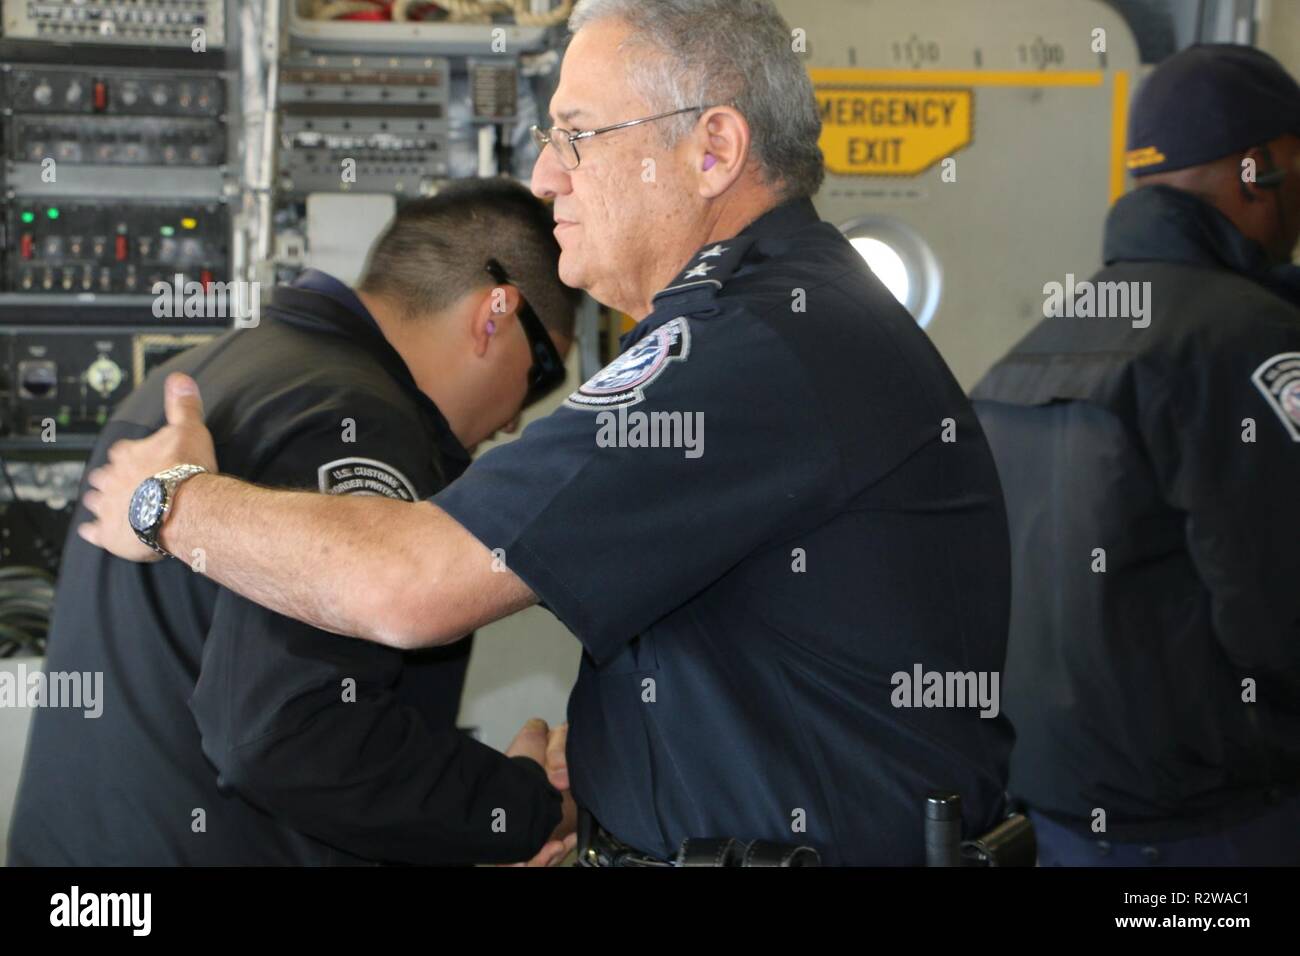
{"x":1151,"y":466}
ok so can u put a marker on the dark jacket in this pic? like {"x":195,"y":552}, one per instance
{"x":1164,"y":689}
{"x":230,"y":734}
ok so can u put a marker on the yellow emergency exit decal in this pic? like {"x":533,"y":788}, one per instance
{"x":881,"y":131}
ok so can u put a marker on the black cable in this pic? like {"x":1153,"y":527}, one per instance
{"x":26,"y":609}
{"x":16,"y":641}
{"x":4,"y":467}
{"x":25,"y":571}
{"x":26,"y":592}
{"x":18,"y":502}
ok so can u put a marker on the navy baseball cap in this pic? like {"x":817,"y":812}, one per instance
{"x":1210,"y":101}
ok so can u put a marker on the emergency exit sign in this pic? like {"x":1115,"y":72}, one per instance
{"x":877,"y":131}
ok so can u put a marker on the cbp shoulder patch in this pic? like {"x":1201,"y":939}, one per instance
{"x":624,"y":380}
{"x":1279,"y":381}
{"x":365,"y":476}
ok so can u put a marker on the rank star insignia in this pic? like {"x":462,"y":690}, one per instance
{"x":715,"y":251}
{"x":698,"y":272}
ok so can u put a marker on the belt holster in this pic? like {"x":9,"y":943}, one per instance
{"x":725,"y":851}
{"x":598,"y":847}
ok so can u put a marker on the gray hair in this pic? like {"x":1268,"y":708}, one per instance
{"x":714,"y":52}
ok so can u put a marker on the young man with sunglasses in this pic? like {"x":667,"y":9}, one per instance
{"x":232,"y":735}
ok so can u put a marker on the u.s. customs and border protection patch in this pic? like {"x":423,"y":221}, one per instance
{"x":365,"y":476}
{"x":624,"y":380}
{"x":1279,"y":381}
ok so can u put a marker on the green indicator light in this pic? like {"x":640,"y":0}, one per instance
{"x":168,"y":230}
{"x":29,"y":217}
{"x":52,"y":212}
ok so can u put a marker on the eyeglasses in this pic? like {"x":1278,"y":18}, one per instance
{"x":547,"y":372}
{"x":565,"y":141}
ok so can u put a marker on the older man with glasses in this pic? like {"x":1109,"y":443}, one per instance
{"x":747,"y":610}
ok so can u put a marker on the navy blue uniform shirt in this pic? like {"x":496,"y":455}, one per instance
{"x":745,"y":595}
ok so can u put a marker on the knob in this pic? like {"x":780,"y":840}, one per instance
{"x":43,"y":94}
{"x":104,"y":375}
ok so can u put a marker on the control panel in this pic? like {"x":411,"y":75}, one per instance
{"x":377,"y":121}
{"x":33,"y":527}
{"x":112,"y":91}
{"x":121,"y":177}
{"x":164,"y":23}
{"x":118,"y":141}
{"x":125,"y":248}
{"x":59,"y":385}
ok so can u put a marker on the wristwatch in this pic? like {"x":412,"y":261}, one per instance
{"x":153,"y":499}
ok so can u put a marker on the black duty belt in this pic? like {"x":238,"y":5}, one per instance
{"x":598,"y":847}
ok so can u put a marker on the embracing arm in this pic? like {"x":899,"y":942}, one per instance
{"x":402,"y":574}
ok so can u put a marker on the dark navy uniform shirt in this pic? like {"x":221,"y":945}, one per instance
{"x":746,"y":595}
{"x":1169,"y":443}
{"x":216,"y":705}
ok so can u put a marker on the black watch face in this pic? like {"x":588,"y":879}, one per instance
{"x":146,"y":505}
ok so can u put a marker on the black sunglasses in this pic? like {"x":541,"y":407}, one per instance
{"x":547,"y":372}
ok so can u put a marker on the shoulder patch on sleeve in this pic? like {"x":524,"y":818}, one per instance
{"x":624,"y":380}
{"x":364,"y":476}
{"x":1278,"y":379}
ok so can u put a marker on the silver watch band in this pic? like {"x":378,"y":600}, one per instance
{"x":175,"y":475}
{"x":171,"y":479}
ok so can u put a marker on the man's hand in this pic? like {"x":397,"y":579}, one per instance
{"x":552,"y":853}
{"x":538,"y":742}
{"x":557,"y":771}
{"x":184,"y":440}
{"x":531,"y":741}
{"x":557,"y":761}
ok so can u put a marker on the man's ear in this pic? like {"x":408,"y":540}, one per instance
{"x":1267,"y":176}
{"x":720,"y":150}
{"x":496,"y":307}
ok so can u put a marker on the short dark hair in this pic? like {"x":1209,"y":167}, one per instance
{"x":436,"y":250}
